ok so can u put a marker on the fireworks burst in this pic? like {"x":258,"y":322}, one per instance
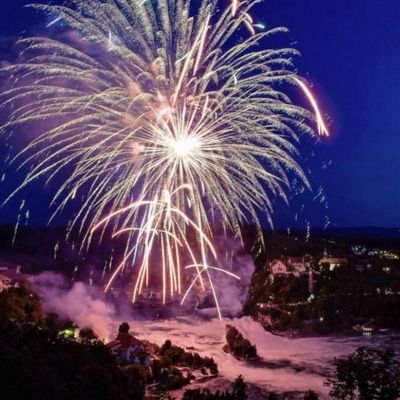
{"x":172,"y":122}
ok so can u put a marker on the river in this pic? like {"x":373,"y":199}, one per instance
{"x":290,"y":366}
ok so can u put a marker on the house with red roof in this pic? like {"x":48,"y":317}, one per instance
{"x":130,"y":349}
{"x":278,"y":267}
{"x":11,"y":277}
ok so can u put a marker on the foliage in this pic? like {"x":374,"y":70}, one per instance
{"x":124,"y":328}
{"x":36,"y":362}
{"x":239,"y":388}
{"x":238,"y":392}
{"x":19,"y":306}
{"x":369,"y":373}
{"x":87,"y":334}
{"x":310,"y":395}
{"x":238,"y":345}
{"x":342,"y":298}
{"x":135,"y":380}
{"x":53,"y":325}
{"x":156,"y":394}
{"x":175,"y":355}
{"x":170,"y":356}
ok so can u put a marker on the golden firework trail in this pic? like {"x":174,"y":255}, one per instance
{"x":162,"y":219}
{"x":165,"y":119}
{"x":322,"y":129}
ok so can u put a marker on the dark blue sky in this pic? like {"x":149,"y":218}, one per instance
{"x":350,"y":52}
{"x":350,"y":49}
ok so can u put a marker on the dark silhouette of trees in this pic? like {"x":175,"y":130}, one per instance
{"x":369,"y":373}
{"x":20,"y":306}
{"x":87,"y":334}
{"x":37,"y":361}
{"x":342,"y":297}
{"x":238,"y":345}
{"x":238,"y":392}
{"x":310,"y":395}
{"x":124,"y":328}
{"x":239,"y":388}
{"x":165,"y":369}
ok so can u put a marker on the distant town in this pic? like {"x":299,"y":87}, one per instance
{"x":321,"y":290}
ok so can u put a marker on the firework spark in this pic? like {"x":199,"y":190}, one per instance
{"x":322,"y":129}
{"x":163,"y":219}
{"x":235,"y":4}
{"x":167,"y":116}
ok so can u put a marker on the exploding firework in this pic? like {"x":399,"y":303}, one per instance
{"x":165,"y":119}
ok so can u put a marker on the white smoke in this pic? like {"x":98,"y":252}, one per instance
{"x":78,"y":303}
{"x":232,"y":293}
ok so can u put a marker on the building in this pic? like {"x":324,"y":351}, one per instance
{"x":278,"y":267}
{"x":299,"y":265}
{"x":129,"y":349}
{"x":295,"y":262}
{"x":11,"y":277}
{"x":333,"y":262}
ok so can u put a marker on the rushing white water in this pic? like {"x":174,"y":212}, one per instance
{"x":286,"y":365}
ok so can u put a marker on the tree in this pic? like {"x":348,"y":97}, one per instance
{"x":239,"y":388}
{"x":238,"y":345}
{"x":124,"y":328}
{"x":20,"y":306}
{"x":369,"y":373}
{"x":48,"y":365}
{"x":135,"y":381}
{"x":156,"y":394}
{"x":238,"y":392}
{"x":87,"y":334}
{"x":166,"y":346}
{"x":310,"y":395}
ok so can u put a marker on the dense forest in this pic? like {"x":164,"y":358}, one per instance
{"x":341,"y":298}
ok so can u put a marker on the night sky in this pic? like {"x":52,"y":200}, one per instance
{"x":351,"y":55}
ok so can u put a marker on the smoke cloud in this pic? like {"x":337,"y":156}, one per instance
{"x":79,"y":303}
{"x":232,"y":293}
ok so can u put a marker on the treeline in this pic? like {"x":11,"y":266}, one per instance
{"x":37,"y":362}
{"x":238,"y":392}
{"x":40,"y":359}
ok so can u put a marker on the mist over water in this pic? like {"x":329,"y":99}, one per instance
{"x":232,"y":293}
{"x":286,"y":366}
{"x":79,"y":303}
